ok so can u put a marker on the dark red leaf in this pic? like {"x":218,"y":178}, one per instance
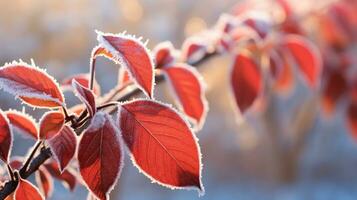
{"x":26,"y":191}
{"x":50,"y":124}
{"x":132,"y":54}
{"x":275,"y":65}
{"x":164,"y":54}
{"x":189,"y":88}
{"x":6,"y":138}
{"x":352,"y":118}
{"x":86,"y":96}
{"x":63,"y":146}
{"x":44,"y":181}
{"x":246,"y":81}
{"x":82,"y":79}
{"x":161,"y":143}
{"x":31,"y":84}
{"x":334,"y":88}
{"x":67,"y":177}
{"x":25,"y":123}
{"x":307,"y":58}
{"x":100,"y":155}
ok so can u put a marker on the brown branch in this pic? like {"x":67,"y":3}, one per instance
{"x":45,"y":153}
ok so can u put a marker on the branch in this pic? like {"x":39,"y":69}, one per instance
{"x":45,"y":153}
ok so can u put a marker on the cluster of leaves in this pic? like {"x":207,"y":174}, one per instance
{"x":158,"y":138}
{"x":266,"y":51}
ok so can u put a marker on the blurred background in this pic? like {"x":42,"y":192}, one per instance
{"x":240,"y":159}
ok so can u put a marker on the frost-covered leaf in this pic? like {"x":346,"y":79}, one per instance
{"x":261,"y":25}
{"x":63,"y":146}
{"x":31,"y":84}
{"x":188,"y":87}
{"x":193,"y":50}
{"x":44,"y":181}
{"x":132,"y":54}
{"x":86,"y":96}
{"x":164,"y":54}
{"x":6,"y":137}
{"x":67,"y":177}
{"x":50,"y":124}
{"x":26,"y":191}
{"x":163,"y":146}
{"x":100,"y":155}
{"x":306,"y":56}
{"x":25,"y":123}
{"x":82,"y":79}
{"x":246,"y":81}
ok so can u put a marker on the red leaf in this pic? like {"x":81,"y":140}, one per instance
{"x":86,"y":96}
{"x":31,"y":84}
{"x":188,"y":87}
{"x":50,"y":124}
{"x":82,"y":79}
{"x":123,"y":77}
{"x":24,"y":122}
{"x":67,"y":177}
{"x":26,"y":191}
{"x":275,"y":65}
{"x":306,"y":57}
{"x":6,"y":138}
{"x":193,"y":50}
{"x":132,"y":54}
{"x":246,"y":81}
{"x":161,"y":143}
{"x":285,"y":80}
{"x":100,"y":155}
{"x":63,"y":146}
{"x":334,"y":88}
{"x":352,"y":118}
{"x":44,"y":181}
{"x":164,"y":54}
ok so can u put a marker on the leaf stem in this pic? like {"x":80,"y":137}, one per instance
{"x":28,"y":161}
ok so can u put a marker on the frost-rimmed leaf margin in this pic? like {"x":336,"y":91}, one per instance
{"x":55,"y":155}
{"x":28,"y":182}
{"x":3,"y":115}
{"x":203,"y":87}
{"x":45,"y":97}
{"x":99,"y":118}
{"x":19,"y":129}
{"x":201,"y":190}
{"x":171,"y":49}
{"x":40,"y":183}
{"x":118,"y":58}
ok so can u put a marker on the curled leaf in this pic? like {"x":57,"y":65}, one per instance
{"x":83,"y":80}
{"x":164,"y":54}
{"x":44,"y":181}
{"x":86,"y":96}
